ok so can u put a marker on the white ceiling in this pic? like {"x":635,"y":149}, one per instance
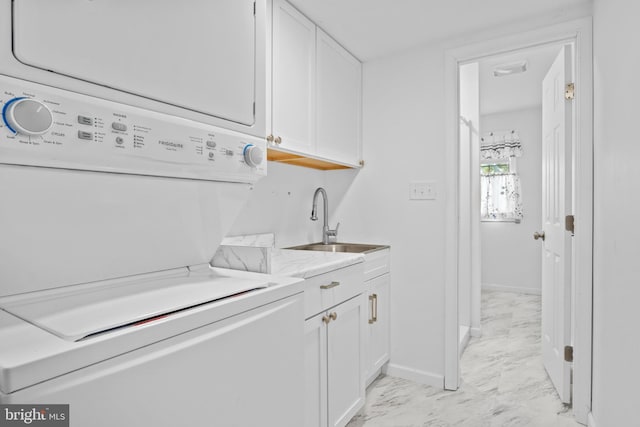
{"x":516,"y":91}
{"x":375,"y":28}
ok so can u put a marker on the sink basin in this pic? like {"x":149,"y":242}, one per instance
{"x":357,"y":248}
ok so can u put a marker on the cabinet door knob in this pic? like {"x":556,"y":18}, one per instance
{"x":333,"y":315}
{"x":537,"y":235}
{"x":277,"y":140}
{"x":270,"y":138}
{"x":326,"y":319}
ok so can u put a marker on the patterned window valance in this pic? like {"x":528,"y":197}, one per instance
{"x":500,"y":145}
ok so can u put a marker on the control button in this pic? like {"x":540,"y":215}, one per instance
{"x":211,"y":155}
{"x":228,"y":152}
{"x":119,"y":126}
{"x":85,"y":135}
{"x":211,"y":144}
{"x":84,"y":120}
{"x":253,"y":155}
{"x":27,"y":116}
{"x":119,"y":140}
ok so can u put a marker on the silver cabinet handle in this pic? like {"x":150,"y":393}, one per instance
{"x":330,"y":285}
{"x":375,"y":307}
{"x":333,"y":315}
{"x":371,"y":309}
{"x":326,"y":319}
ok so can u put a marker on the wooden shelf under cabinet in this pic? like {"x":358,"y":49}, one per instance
{"x":300,"y":160}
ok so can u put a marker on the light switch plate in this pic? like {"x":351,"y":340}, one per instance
{"x":422,"y":190}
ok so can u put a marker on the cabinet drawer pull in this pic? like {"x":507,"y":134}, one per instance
{"x":371,"y":309}
{"x":330,"y":285}
{"x":375,"y":307}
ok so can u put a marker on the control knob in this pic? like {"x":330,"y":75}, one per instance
{"x":253,"y":155}
{"x":27,"y":116}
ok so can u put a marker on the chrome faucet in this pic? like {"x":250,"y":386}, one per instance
{"x":326,"y":233}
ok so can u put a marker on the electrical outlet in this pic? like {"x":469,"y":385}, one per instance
{"x":422,"y":190}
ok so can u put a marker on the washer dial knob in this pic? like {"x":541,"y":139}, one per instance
{"x":253,"y":155}
{"x":27,"y":116}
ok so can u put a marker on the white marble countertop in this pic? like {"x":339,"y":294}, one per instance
{"x":305,"y":264}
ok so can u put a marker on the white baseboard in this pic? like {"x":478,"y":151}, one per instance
{"x":464,"y":339}
{"x":476,"y":332}
{"x":591,"y":422}
{"x":415,"y":375}
{"x":375,"y":375}
{"x":515,"y":289}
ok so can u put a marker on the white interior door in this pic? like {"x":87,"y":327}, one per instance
{"x":556,"y":203}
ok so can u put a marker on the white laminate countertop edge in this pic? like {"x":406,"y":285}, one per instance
{"x":305,"y":264}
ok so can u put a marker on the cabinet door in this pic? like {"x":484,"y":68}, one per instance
{"x":379,"y":292}
{"x":294,"y":61}
{"x":315,"y":372}
{"x":338,"y":89}
{"x":346,"y":390}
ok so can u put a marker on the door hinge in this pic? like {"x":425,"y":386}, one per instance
{"x":568,"y":353}
{"x":569,"y":91}
{"x":569,"y":224}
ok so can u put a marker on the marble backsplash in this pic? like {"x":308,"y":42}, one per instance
{"x":246,"y":253}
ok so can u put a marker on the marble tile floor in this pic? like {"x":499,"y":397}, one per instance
{"x":504,"y":383}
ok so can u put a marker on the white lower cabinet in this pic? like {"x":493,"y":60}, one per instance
{"x":335,"y":364}
{"x":378,"y":290}
{"x":378,"y":322}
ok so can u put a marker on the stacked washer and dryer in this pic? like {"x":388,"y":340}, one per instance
{"x":121,"y":170}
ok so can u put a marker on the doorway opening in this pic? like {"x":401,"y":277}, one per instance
{"x":500,"y":178}
{"x":503,"y":242}
{"x":500,"y":209}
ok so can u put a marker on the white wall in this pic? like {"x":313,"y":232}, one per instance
{"x":616,"y":371}
{"x":281,"y":204}
{"x":510,"y":256}
{"x":403,"y":134}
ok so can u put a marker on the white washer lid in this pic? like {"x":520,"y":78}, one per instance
{"x":92,"y":310}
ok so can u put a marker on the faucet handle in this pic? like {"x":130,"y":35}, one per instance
{"x":333,"y":233}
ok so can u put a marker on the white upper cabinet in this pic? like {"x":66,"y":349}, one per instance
{"x":294,"y":67}
{"x":338,"y":105}
{"x":316,"y":93}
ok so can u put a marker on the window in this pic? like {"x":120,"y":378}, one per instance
{"x":500,"y":191}
{"x":494,"y":169}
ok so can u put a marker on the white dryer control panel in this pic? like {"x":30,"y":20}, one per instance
{"x":48,"y":127}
